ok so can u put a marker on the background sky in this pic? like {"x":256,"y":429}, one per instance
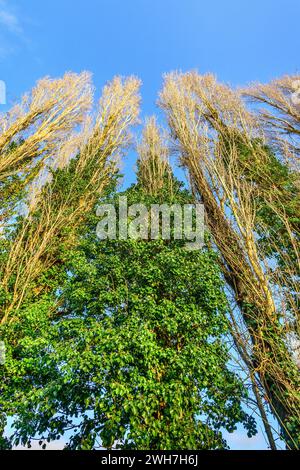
{"x":239,"y":41}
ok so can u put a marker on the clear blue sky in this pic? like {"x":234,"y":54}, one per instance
{"x":239,"y":41}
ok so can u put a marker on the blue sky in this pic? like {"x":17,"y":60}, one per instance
{"x":239,"y":41}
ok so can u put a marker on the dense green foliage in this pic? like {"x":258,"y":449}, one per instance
{"x":135,"y":354}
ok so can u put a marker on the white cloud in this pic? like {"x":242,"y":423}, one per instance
{"x":9,"y":19}
{"x":11,"y":31}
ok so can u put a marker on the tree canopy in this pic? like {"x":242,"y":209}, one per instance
{"x":142,"y":343}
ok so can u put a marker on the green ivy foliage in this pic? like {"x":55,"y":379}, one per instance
{"x":134,"y":357}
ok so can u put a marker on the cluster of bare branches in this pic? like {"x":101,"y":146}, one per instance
{"x":57,"y":211}
{"x":153,"y":163}
{"x":35,"y":129}
{"x":278,"y":105}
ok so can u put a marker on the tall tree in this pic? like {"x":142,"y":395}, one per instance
{"x":67,"y":167}
{"x":59,"y":208}
{"x":211,"y":129}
